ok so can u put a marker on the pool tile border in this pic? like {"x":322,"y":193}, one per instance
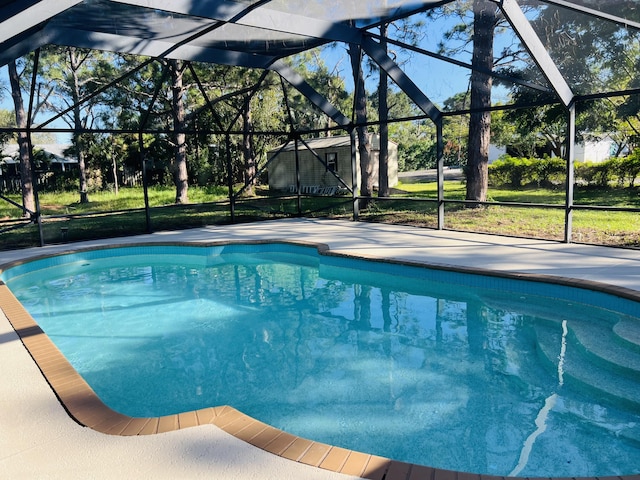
{"x":84,"y":406}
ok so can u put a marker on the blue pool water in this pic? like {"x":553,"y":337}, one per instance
{"x":457,"y":371}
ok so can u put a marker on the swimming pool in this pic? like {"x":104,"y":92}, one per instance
{"x":417,"y":342}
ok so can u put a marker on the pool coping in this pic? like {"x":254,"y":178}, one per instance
{"x":84,"y":406}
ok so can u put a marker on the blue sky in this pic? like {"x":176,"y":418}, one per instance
{"x":437,"y":79}
{"x":5,"y":96}
{"x":438,"y":87}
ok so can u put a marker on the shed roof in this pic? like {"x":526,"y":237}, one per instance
{"x":336,"y":141}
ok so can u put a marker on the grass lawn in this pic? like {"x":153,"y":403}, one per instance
{"x":595,"y":227}
{"x":108,"y":214}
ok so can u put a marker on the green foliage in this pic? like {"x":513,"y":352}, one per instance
{"x":518,"y":172}
{"x":619,"y":171}
{"x":548,"y":172}
{"x":7,"y":119}
{"x":600,"y":56}
{"x":593,"y":174}
{"x":64,"y":182}
{"x":628,"y":168}
{"x":512,"y":171}
{"x":416,"y":156}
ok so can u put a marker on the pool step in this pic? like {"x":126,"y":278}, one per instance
{"x":611,"y":420}
{"x":582,"y":372}
{"x":628,"y":332}
{"x":603,"y":346}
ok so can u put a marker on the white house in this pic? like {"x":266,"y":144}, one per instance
{"x":54,"y":151}
{"x":596,"y":151}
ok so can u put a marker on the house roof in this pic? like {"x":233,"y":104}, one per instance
{"x":260,"y":33}
{"x":56,"y":150}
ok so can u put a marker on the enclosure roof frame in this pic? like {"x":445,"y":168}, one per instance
{"x":249,"y":33}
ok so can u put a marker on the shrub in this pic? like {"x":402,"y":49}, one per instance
{"x":596,"y":174}
{"x":511,"y":171}
{"x":547,"y":172}
{"x":418,"y":156}
{"x":628,"y":168}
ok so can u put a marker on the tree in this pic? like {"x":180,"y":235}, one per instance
{"x":484,"y":22}
{"x":76,"y":60}
{"x":181,"y":179}
{"x":408,"y":31}
{"x":594,"y":56}
{"x":414,"y":138}
{"x":629,"y":109}
{"x":67,"y":74}
{"x":251,"y":88}
{"x":360,"y":102}
{"x":328,"y":82}
{"x":247,"y":147}
{"x":505,"y":133}
{"x":7,"y":119}
{"x":480,"y":35}
{"x":141,"y":99}
{"x":159,"y":95}
{"x":244,"y":100}
{"x":26,"y":167}
{"x":456,"y":130}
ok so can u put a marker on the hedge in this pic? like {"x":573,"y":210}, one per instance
{"x":518,"y":172}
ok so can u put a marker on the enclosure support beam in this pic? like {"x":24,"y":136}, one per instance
{"x":626,"y":22}
{"x":145,"y":182}
{"x":355,"y":188}
{"x":440,"y":172}
{"x":13,"y":48}
{"x":570,"y":149}
{"x":13,"y":25}
{"x":232,"y":200}
{"x":377,"y":53}
{"x":298,"y":184}
{"x":529,"y":38}
{"x":296,"y":80}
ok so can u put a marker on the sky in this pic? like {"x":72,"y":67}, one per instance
{"x":437,"y":79}
{"x":5,"y":96}
{"x":438,"y":82}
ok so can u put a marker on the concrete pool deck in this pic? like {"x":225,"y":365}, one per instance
{"x":38,"y":439}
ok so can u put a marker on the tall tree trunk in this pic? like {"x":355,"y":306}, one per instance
{"x":247,"y":147}
{"x":364,"y":146}
{"x":383,"y":107}
{"x":26,"y":168}
{"x":484,"y":20}
{"x":180,"y":174}
{"x":75,"y":63}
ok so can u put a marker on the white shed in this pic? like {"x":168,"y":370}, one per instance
{"x":326,"y":158}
